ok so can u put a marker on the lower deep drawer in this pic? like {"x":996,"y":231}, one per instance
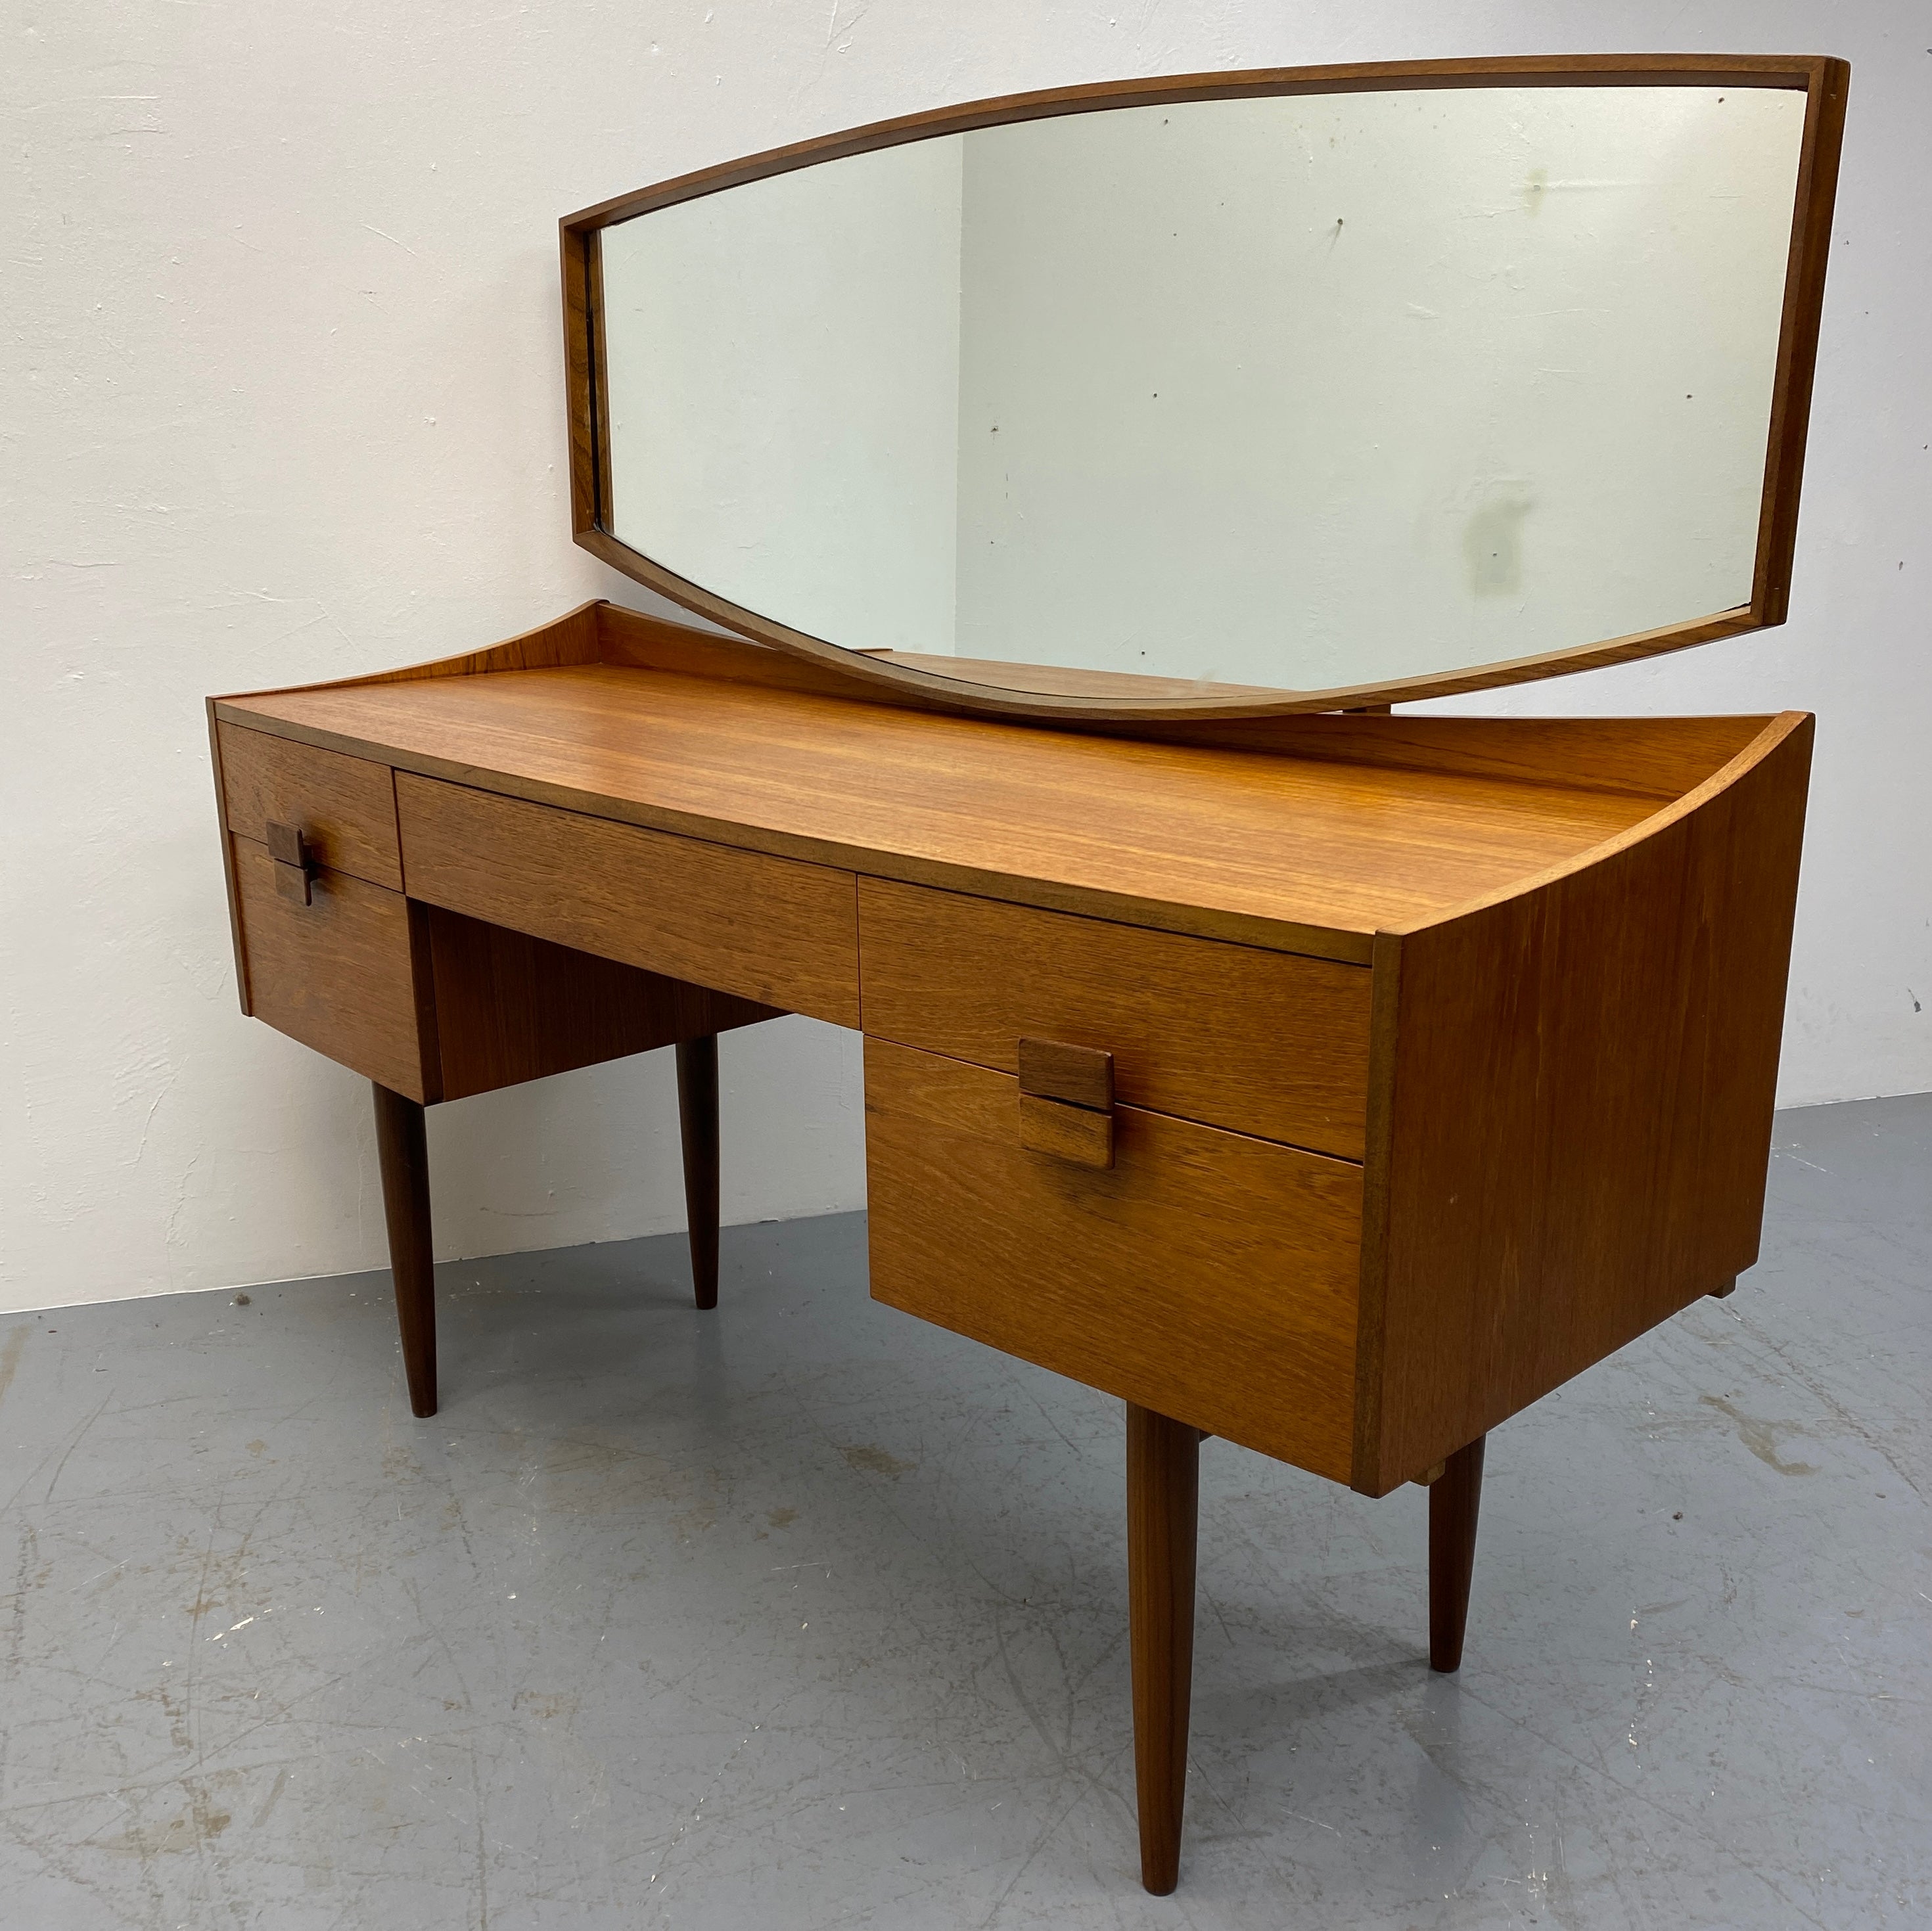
{"x":340,"y":973}
{"x":1206,"y":1275}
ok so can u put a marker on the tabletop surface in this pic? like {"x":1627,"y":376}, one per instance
{"x":1348,"y":849}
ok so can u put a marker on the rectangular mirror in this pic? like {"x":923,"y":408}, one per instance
{"x":1331,"y":395}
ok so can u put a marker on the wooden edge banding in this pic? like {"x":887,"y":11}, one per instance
{"x":600,"y":377}
{"x":1816,"y":198}
{"x":1371,"y":1296}
{"x":574,"y":249}
{"x":228,"y":863}
{"x":422,"y":978}
{"x":572,"y":638}
{"x":1783,"y":71}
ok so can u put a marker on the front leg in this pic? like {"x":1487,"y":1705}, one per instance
{"x":402,"y":1146}
{"x":697,"y":1119}
{"x":1163,"y":1512}
{"x":1455,"y":1497}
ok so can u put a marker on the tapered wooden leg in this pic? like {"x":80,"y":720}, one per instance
{"x":403,"y":1149}
{"x":697,"y":1115}
{"x":1163,"y":1509}
{"x":1454,"y":1498}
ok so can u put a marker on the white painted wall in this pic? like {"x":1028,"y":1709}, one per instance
{"x":281,"y":368}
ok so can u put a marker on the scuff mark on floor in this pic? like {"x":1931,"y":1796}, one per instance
{"x":1762,"y":1437}
{"x":10,"y":1351}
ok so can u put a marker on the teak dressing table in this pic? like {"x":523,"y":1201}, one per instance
{"x":1333,"y":1082}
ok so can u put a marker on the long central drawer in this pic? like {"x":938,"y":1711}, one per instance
{"x":775,"y":930}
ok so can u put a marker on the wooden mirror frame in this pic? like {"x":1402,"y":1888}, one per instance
{"x":1048,"y":692}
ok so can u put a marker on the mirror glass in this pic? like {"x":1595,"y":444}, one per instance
{"x":1294,"y":393}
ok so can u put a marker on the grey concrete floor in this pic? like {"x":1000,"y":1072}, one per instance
{"x":804,"y":1613}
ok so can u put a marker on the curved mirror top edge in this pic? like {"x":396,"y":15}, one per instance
{"x":1228,"y":400}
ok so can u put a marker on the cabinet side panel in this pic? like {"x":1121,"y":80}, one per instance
{"x":1580,"y":1113}
{"x":228,"y":862}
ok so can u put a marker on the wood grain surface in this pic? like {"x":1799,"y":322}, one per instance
{"x":575,"y":637}
{"x":1657,"y":758}
{"x":767,"y":929}
{"x":1207,"y":1275}
{"x":346,"y":974}
{"x":511,"y":1008}
{"x":1173,"y":836}
{"x":1581,"y":1080}
{"x":1061,"y":1132}
{"x":344,"y":808}
{"x":1268,"y":1044}
{"x":1653,"y":758}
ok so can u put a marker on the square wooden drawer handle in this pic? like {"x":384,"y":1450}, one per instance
{"x":295,"y":863}
{"x":1078,"y":1074}
{"x":1075,"y":1133}
{"x":1066,"y":1101}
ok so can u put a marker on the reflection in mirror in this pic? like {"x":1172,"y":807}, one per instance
{"x":1295,"y":393}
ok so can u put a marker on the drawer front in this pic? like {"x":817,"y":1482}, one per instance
{"x":339,"y":973}
{"x":344,"y":808}
{"x":770,"y":929}
{"x":1269,"y":1044}
{"x":1206,"y":1275}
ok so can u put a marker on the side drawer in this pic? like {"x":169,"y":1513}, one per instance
{"x":345,"y":808}
{"x":770,"y":929}
{"x":341,"y":973}
{"x":1270,"y":1044}
{"x":1206,"y":1275}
